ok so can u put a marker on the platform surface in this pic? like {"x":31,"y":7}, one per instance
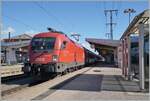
{"x":89,"y":83}
{"x":10,"y":70}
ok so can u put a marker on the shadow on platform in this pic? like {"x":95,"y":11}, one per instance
{"x":97,"y":83}
{"x":103,"y":64}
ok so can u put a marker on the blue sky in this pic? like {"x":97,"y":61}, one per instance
{"x":85,"y":18}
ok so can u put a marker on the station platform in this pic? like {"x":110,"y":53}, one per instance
{"x":89,"y":83}
{"x":11,"y":70}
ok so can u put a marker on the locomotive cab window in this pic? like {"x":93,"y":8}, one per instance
{"x":64,"y":44}
{"x":43,"y":43}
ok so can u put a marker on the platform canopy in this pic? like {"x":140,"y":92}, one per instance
{"x":105,"y":47}
{"x":103,"y":43}
{"x":134,"y":25}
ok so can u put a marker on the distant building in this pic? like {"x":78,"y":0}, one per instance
{"x":15,"y":49}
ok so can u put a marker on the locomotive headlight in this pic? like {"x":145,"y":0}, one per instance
{"x":54,"y":58}
{"x":28,"y":59}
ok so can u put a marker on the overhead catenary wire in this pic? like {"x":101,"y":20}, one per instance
{"x":49,"y":13}
{"x":112,"y":5}
{"x":18,"y":21}
{"x":118,"y":6}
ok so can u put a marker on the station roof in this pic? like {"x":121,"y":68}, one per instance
{"x":140,"y":18}
{"x":13,"y":43}
{"x":23,"y":36}
{"x":103,"y":42}
{"x":18,"y":37}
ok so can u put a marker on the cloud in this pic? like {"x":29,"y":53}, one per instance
{"x":9,"y":29}
{"x":1,"y":25}
{"x":31,"y":32}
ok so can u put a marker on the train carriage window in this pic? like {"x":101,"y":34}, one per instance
{"x":63,"y":45}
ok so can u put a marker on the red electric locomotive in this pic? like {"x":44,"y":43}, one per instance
{"x":53,"y":52}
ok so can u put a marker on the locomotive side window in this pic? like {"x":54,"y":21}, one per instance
{"x":43,"y":43}
{"x":63,"y":45}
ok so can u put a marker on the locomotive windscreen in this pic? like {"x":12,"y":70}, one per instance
{"x":43,"y":43}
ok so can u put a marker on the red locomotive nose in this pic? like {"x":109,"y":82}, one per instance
{"x":42,"y":50}
{"x":41,"y":58}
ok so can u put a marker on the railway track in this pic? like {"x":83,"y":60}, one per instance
{"x":23,"y":82}
{"x":14,"y":84}
{"x":12,"y":78}
{"x":9,"y":91}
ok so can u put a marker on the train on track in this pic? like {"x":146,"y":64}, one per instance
{"x":54,"y":52}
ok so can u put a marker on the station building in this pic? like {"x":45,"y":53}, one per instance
{"x":15,"y":50}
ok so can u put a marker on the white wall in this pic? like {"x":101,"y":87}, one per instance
{"x":10,"y":56}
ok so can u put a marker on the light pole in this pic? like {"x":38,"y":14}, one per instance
{"x":130,"y":76}
{"x":129,"y":10}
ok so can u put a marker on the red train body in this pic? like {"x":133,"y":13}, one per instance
{"x":54,"y":52}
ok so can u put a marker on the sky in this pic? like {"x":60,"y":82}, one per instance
{"x":86,"y":18}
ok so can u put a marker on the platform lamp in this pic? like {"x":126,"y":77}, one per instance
{"x":129,"y":11}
